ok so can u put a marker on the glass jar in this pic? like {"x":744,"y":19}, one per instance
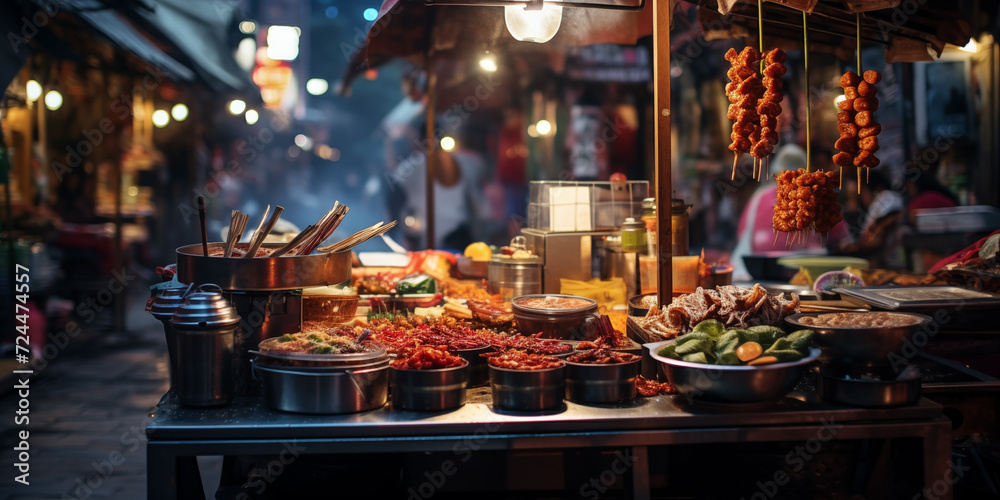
{"x":633,"y":235}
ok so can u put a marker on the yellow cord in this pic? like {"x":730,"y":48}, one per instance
{"x":805,"y":56}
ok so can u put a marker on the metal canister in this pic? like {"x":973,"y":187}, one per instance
{"x":205,"y":326}
{"x":679,"y":226}
{"x":511,"y":278}
{"x":162,"y":307}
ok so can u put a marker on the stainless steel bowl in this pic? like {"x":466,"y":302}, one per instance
{"x":601,"y":383}
{"x":732,"y":384}
{"x":429,"y":390}
{"x":903,"y":389}
{"x":479,"y":370}
{"x":324,"y":391}
{"x":861,"y":346}
{"x":528,"y":390}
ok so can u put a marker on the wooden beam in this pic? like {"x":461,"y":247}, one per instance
{"x":661,"y":151}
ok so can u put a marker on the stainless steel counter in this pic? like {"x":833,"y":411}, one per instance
{"x":248,"y":428}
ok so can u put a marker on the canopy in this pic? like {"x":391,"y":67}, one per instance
{"x":184,"y":42}
{"x":411,"y":30}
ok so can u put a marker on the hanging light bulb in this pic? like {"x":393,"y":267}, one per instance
{"x":536,"y":22}
{"x":161,"y":118}
{"x":33,"y":89}
{"x":53,"y":100}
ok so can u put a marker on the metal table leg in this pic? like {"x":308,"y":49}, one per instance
{"x":161,"y":472}
{"x":638,"y":488}
{"x":939,"y":474}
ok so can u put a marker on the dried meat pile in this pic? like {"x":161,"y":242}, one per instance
{"x":402,"y":336}
{"x":603,"y":357}
{"x":427,"y":358}
{"x":650,"y":387}
{"x":521,"y":360}
{"x":806,"y":201}
{"x":733,"y":306}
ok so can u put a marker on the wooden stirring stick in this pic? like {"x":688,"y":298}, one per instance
{"x":262,"y":233}
{"x":204,"y":228}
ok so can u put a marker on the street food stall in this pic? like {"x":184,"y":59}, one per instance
{"x":469,"y":372}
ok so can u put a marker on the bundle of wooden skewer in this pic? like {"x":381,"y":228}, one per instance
{"x":359,"y":237}
{"x":306,"y":241}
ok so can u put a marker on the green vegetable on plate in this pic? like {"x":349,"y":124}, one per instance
{"x":710,"y":343}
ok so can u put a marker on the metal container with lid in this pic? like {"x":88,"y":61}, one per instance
{"x":205,"y":326}
{"x":510,"y":277}
{"x":162,"y":307}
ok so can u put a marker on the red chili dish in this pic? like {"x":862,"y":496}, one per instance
{"x":520,"y":360}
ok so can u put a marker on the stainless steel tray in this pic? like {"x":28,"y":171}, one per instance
{"x":262,"y":274}
{"x":911,"y":298}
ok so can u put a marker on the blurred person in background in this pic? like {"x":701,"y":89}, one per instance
{"x":925,"y":191}
{"x":402,"y":128}
{"x":880,"y":221}
{"x":512,"y":171}
{"x":587,"y":149}
{"x":756,"y":230}
{"x":453,"y":198}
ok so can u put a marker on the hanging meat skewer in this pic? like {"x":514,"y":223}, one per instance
{"x":744,"y":91}
{"x":847,"y":144}
{"x":769,"y":107}
{"x":858,"y":129}
{"x":865,"y":104}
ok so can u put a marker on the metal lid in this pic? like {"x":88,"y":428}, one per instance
{"x":631,"y":224}
{"x":205,"y":309}
{"x":649,"y":203}
{"x":678,"y":207}
{"x":162,"y":306}
{"x":499,"y":260}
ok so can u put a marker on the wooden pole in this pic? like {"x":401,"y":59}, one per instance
{"x":431,"y":146}
{"x":661,"y":101}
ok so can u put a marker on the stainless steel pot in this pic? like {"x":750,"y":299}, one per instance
{"x":429,"y":390}
{"x":514,"y":277}
{"x":324,"y":390}
{"x":903,"y":389}
{"x":601,"y":383}
{"x":266,"y":273}
{"x":528,"y":390}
